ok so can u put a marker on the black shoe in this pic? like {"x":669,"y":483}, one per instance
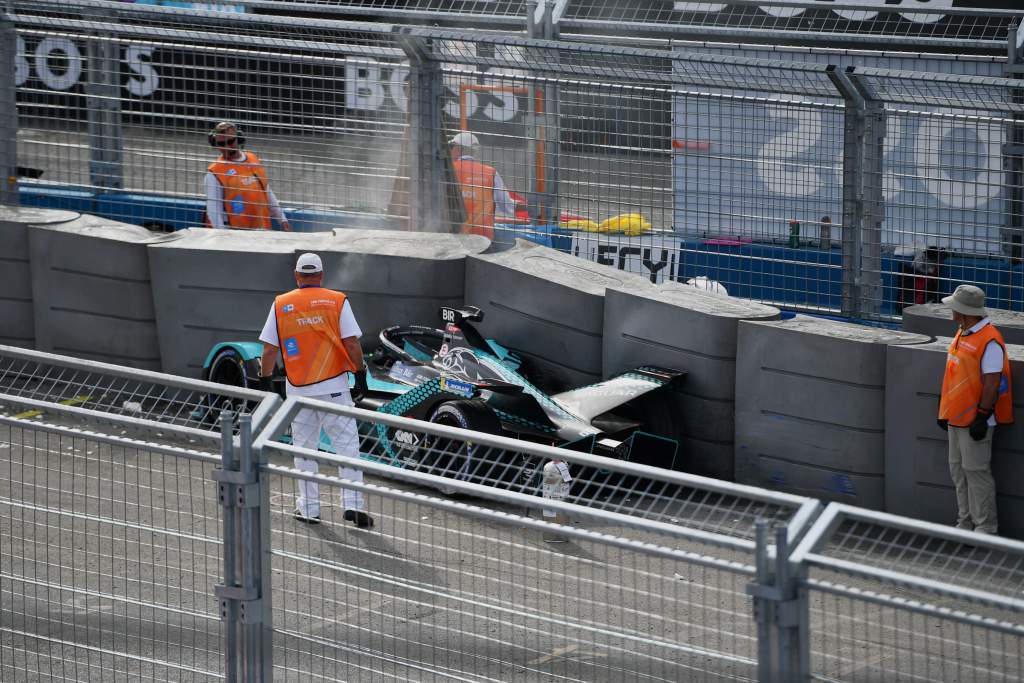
{"x":307,"y":520}
{"x":359,"y":518}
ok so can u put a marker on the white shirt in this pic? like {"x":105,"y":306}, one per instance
{"x":991,"y":360}
{"x":335,"y":385}
{"x":503,"y":204}
{"x":215,"y":202}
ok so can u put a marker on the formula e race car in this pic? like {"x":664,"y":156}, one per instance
{"x":455,"y":377}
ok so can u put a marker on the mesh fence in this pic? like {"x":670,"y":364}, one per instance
{"x":764,"y":176}
{"x":30,"y":380}
{"x":109,"y":553}
{"x":914,"y":604}
{"x":452,"y":591}
{"x":453,"y":456}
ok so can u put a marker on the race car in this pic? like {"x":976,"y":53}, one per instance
{"x":455,"y":377}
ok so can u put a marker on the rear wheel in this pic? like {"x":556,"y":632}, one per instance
{"x":461,"y":459}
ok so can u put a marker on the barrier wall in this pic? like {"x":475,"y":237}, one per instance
{"x":16,"y":308}
{"x":917,"y":480}
{"x":91,"y":291}
{"x":217,"y":285}
{"x":686,"y":328}
{"x":549,"y":306}
{"x":810,"y":407}
{"x":934,"y":320}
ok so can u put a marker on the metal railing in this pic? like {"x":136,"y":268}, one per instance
{"x":145,"y":556}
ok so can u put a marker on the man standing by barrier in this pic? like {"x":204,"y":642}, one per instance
{"x":483,"y":190}
{"x":317,"y":336}
{"x":237,"y":192}
{"x":976,"y":396}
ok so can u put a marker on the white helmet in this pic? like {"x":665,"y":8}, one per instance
{"x":464,"y":139}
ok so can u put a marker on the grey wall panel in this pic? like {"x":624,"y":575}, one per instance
{"x":549,"y":306}
{"x":91,"y":291}
{"x":16,"y":308}
{"x":934,"y":320}
{"x":688,"y":329}
{"x":917,"y":480}
{"x":214,"y":286}
{"x":810,"y":407}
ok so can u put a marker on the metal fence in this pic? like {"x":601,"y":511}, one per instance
{"x":152,"y":556}
{"x":855,"y":192}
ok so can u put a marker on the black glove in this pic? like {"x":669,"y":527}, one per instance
{"x":979,"y":428}
{"x":359,"y":389}
{"x":943,"y":424}
{"x":265,"y":384}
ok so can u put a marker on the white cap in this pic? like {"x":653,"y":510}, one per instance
{"x":464,"y":139}
{"x":309,"y":263}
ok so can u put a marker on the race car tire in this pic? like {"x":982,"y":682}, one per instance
{"x":228,"y":367}
{"x":457,"y":459}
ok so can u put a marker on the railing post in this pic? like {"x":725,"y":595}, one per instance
{"x":103,"y":107}
{"x":1013,"y":149}
{"x":427,"y":149}
{"x":863,"y":202}
{"x":225,"y":494}
{"x":8,"y":113}
{"x":245,"y":593}
{"x":780,"y":611}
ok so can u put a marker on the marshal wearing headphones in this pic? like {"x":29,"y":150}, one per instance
{"x":237,"y":192}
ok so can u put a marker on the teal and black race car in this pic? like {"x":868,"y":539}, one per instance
{"x":455,"y":377}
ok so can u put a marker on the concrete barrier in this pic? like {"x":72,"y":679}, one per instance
{"x":549,"y":306}
{"x":15,"y":272}
{"x":91,"y":291}
{"x":218,"y":285}
{"x":917,"y":481}
{"x":688,"y":329}
{"x":810,"y":407}
{"x":934,"y":321}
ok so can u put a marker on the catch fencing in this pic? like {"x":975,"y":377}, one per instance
{"x":133,"y":548}
{"x":801,"y":184}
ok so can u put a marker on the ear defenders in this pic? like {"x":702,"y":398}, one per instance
{"x":211,"y":137}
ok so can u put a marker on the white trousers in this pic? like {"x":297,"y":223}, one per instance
{"x":344,"y":439}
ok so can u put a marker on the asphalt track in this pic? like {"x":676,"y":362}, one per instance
{"x":108,"y":558}
{"x":349,"y":171}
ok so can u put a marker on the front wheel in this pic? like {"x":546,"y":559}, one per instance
{"x":458,"y":458}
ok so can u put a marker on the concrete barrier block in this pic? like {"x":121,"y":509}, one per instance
{"x":917,"y":479}
{"x":16,"y":308}
{"x":688,"y":329}
{"x":91,"y":291}
{"x":549,"y":306}
{"x":810,"y":407}
{"x":934,"y":320}
{"x":218,"y":285}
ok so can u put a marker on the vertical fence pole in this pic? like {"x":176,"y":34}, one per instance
{"x":103,"y":107}
{"x":228,"y":607}
{"x":853,"y":153}
{"x":427,"y":191}
{"x":1013,"y":150}
{"x":780,"y":611}
{"x":874,"y":209}
{"x":243,"y":596}
{"x":8,"y":113}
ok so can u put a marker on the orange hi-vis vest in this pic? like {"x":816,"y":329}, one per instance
{"x":246,"y":203}
{"x":309,"y":331}
{"x":962,"y":383}
{"x":477,"y":182}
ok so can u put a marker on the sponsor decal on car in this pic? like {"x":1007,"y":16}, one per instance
{"x":454,"y":386}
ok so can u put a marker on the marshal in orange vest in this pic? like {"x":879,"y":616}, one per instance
{"x":309,"y":331}
{"x":477,"y":181}
{"x":961,"y":385}
{"x":246,"y":203}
